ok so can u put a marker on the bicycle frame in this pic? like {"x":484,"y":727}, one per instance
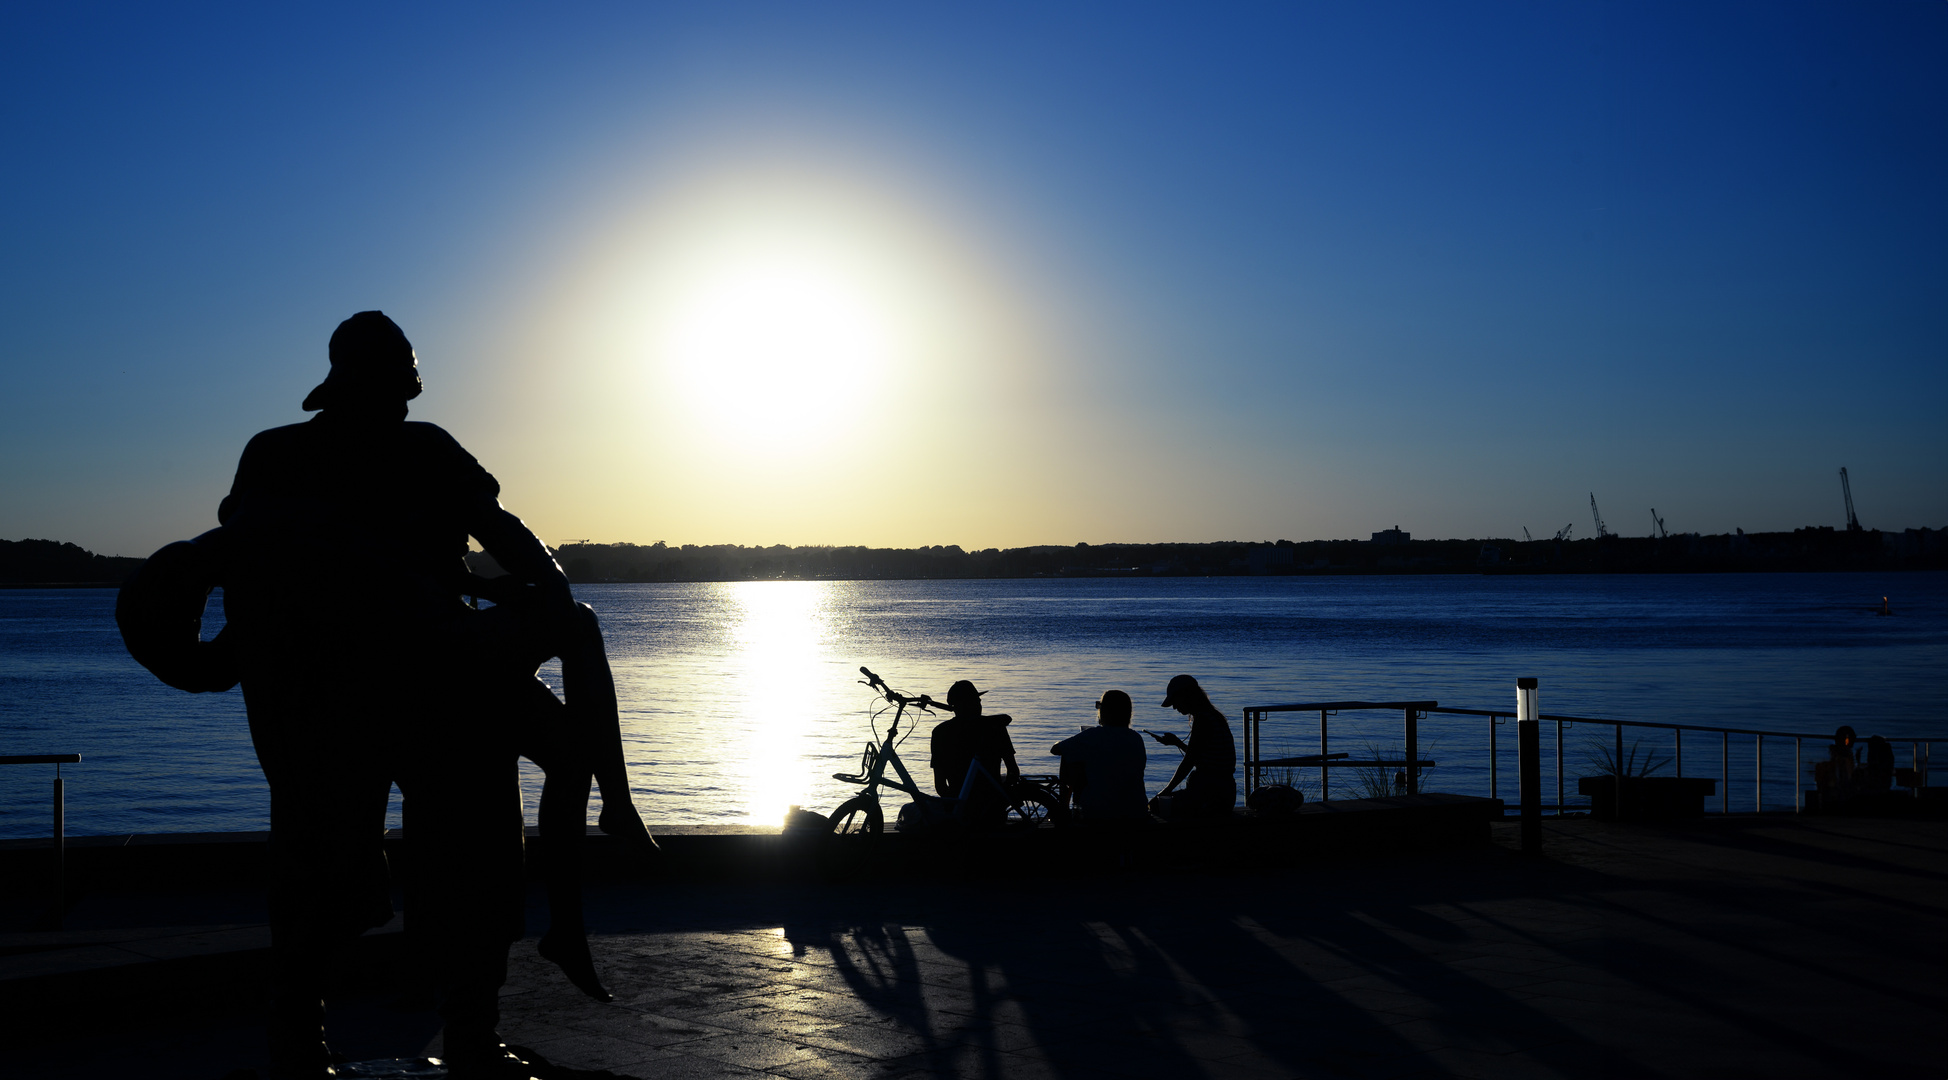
{"x":878,"y":755}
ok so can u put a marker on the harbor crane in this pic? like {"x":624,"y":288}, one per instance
{"x":1563,"y":533}
{"x":1659,"y":522}
{"x":1601,"y":529}
{"x":1846,"y":490}
{"x":1525,"y":535}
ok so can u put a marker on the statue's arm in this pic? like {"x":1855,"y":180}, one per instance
{"x":515,"y":547}
{"x":506,"y":537}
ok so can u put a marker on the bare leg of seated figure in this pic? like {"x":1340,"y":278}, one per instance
{"x":571,"y":742}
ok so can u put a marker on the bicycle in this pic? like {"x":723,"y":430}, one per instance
{"x":1029,"y":803}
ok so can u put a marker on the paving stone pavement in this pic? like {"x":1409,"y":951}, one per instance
{"x":1744,"y":948}
{"x":1749,"y":947}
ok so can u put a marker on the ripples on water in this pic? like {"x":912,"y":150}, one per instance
{"x":741,"y":698}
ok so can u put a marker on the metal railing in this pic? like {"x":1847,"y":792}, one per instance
{"x":1410,"y":762}
{"x":1920,"y":749}
{"x":59,"y":905}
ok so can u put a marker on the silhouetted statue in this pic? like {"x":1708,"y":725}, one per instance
{"x":1103,"y":765}
{"x":361,"y":666}
{"x":968,"y":738}
{"x":160,"y":613}
{"x":1207,"y":772}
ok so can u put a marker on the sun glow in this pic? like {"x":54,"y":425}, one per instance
{"x":756,"y":346}
{"x":770,"y":335}
{"x":767,"y":313}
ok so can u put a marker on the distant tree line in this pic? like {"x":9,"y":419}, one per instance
{"x":46,"y":562}
{"x":49,"y":562}
{"x":1801,"y":549}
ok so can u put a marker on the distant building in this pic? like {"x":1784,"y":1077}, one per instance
{"x":1266,"y":560}
{"x":1392,"y":536}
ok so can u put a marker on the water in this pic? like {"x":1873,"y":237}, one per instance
{"x":741,"y":698}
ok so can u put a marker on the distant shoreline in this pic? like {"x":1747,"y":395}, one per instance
{"x":54,"y":585}
{"x":1389,"y":553}
{"x":46,"y":564}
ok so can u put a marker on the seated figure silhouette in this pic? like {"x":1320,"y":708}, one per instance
{"x":1207,"y":772}
{"x":1844,"y":779}
{"x":571,"y":741}
{"x":965,"y":740}
{"x":361,"y":666}
{"x":1104,"y":765}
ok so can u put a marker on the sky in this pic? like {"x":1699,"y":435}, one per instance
{"x":994,"y":275}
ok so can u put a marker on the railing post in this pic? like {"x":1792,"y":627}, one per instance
{"x":1413,"y":752}
{"x":1251,"y":758}
{"x":1528,"y":742}
{"x":1758,"y":774}
{"x":1798,"y":781}
{"x":1323,"y":790}
{"x":1560,"y":802}
{"x":1725,"y":772}
{"x":1494,"y":722}
{"x":1616,"y":790}
{"x":1677,"y":744}
{"x":59,"y":909}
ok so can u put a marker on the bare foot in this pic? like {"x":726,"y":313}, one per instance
{"x":625,"y":824}
{"x":569,"y":952}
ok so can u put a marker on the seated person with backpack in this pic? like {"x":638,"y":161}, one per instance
{"x":967,"y":739}
{"x":1104,"y":764}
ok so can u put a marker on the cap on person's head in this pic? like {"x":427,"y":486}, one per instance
{"x":371,"y":360}
{"x":962,"y":694}
{"x":1115,"y":703}
{"x":1183,"y":690}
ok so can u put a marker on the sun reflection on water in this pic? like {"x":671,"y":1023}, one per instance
{"x":778,"y":662}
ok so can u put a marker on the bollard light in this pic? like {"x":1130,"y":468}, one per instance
{"x":1528,"y":743}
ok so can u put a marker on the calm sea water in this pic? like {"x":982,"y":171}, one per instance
{"x":741,"y":698}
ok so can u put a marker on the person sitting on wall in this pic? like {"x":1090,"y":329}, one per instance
{"x":1844,"y":777}
{"x":1835,"y":774}
{"x":966,"y":740}
{"x":1210,"y":758}
{"x":1103,"y":765}
{"x":1878,"y":772}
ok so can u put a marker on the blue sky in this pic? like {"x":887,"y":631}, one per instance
{"x":1104,"y":272}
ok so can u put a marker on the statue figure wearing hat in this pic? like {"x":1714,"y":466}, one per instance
{"x":342,"y":561}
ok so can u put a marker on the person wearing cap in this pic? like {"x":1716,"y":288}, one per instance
{"x":1104,"y":765}
{"x":1207,"y":773}
{"x":361,"y":666}
{"x":968,"y":738}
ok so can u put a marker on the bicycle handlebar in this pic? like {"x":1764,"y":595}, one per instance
{"x":893,"y":696}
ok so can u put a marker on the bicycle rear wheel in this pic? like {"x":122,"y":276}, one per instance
{"x":858,"y":816}
{"x":1032,"y":807}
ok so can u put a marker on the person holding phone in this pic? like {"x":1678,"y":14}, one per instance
{"x":1207,"y":773}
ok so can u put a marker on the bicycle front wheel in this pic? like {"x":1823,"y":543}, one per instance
{"x":858,"y":816}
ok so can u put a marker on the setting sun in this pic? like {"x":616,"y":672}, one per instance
{"x":773,"y":338}
{"x":771,"y":334}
